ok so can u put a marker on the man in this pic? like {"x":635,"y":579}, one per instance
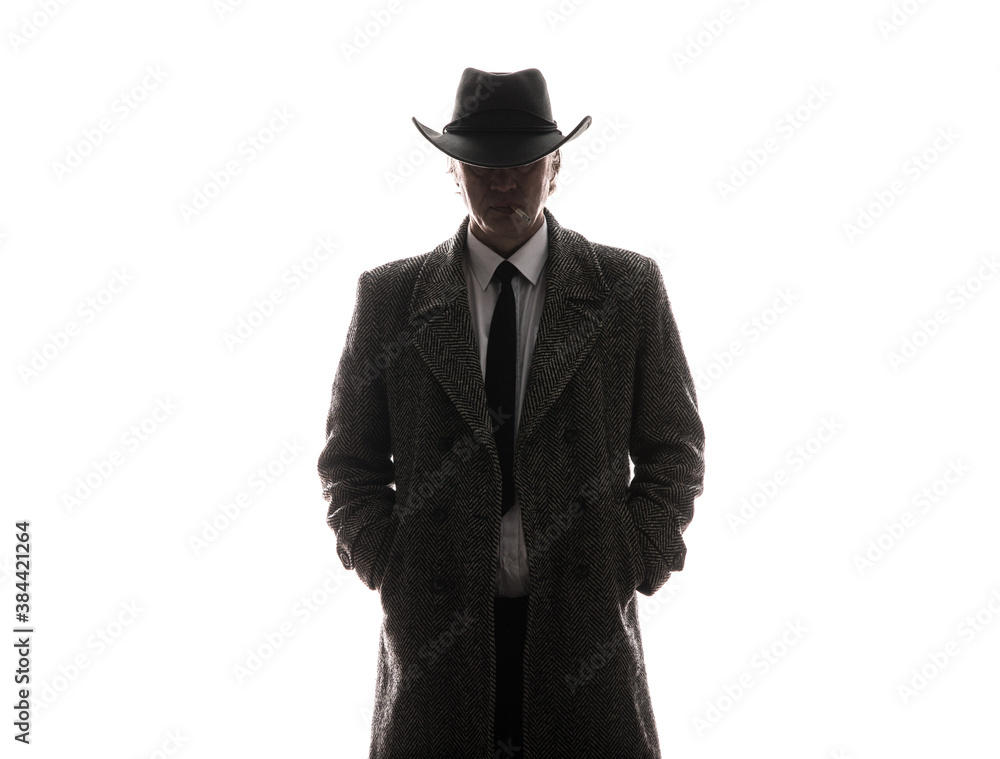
{"x":501,"y":382}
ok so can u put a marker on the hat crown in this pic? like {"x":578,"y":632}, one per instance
{"x":500,"y":100}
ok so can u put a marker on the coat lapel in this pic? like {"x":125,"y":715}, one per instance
{"x":572,"y":315}
{"x":439,"y":309}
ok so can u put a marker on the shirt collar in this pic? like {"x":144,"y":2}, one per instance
{"x":529,"y":258}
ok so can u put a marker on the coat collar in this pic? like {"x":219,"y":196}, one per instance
{"x":572,"y":315}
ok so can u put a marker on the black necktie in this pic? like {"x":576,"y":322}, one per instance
{"x":501,"y":366}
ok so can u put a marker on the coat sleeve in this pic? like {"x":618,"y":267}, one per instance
{"x":666,"y":441}
{"x":355,"y":466}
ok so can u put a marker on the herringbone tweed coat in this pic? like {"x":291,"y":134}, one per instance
{"x":608,"y":379}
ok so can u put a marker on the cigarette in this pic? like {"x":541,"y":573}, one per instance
{"x":522,"y":214}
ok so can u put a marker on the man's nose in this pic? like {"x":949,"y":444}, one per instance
{"x":502,"y":180}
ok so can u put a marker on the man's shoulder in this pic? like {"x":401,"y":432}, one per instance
{"x":403,"y":271}
{"x":390,"y":285}
{"x":624,"y":261}
{"x":399,"y":270}
{"x":621,"y":267}
{"x":613,"y":254}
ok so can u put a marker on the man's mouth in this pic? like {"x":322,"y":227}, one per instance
{"x":510,"y":209}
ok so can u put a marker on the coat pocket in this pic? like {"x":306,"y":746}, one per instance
{"x":393,"y":563}
{"x":630,"y":548}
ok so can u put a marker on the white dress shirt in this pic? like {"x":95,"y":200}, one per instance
{"x":529,"y":295}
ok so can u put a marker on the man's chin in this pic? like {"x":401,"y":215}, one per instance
{"x":499,"y":228}
{"x":508,"y":232}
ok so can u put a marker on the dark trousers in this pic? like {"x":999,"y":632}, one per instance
{"x":510,"y":623}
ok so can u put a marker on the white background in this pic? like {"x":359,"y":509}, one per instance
{"x":350,"y":169}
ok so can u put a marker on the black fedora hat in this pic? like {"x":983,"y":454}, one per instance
{"x":501,"y":119}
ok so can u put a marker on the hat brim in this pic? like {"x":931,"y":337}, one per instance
{"x":500,"y":149}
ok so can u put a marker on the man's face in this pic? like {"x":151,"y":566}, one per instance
{"x":489,"y":194}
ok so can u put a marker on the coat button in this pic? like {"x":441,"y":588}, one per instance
{"x":580,"y":571}
{"x":444,"y":443}
{"x":581,"y":504}
{"x":439,"y":514}
{"x":439,"y":584}
{"x":571,"y":434}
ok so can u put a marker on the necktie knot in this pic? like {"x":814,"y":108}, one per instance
{"x":505,"y":272}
